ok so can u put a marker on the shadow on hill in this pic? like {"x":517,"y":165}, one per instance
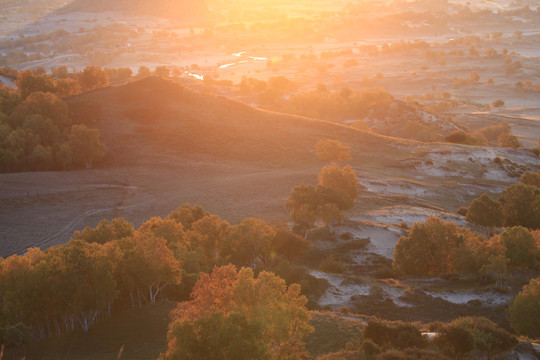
{"x":152,"y":117}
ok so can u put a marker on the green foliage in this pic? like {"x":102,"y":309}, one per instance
{"x":508,"y":141}
{"x":29,"y":82}
{"x":217,"y":336}
{"x":249,"y":243}
{"x":493,"y":132}
{"x":397,"y":335}
{"x":332,"y":151}
{"x":308,"y":203}
{"x":520,"y":247}
{"x":116,"y":229}
{"x":264,"y":301}
{"x":485,"y":211}
{"x":410,"y":354}
{"x":531,"y":179}
{"x":85,"y":145}
{"x":521,"y":206}
{"x":474,"y":334}
{"x":524,"y":310}
{"x":187,"y":215}
{"x":345,"y":179}
{"x":427,"y":248}
{"x":331,"y":264}
{"x":288,"y":245}
{"x":93,"y":77}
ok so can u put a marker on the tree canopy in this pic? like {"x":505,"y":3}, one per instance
{"x":524,"y":310}
{"x":275,"y":313}
{"x":332,"y":151}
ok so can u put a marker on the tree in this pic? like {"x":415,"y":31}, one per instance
{"x":167,"y":229}
{"x":521,"y":206}
{"x":85,"y":145}
{"x":342,"y":179}
{"x":93,"y":77}
{"x":64,"y":155}
{"x":508,"y":141}
{"x":330,"y":214}
{"x":29,"y":82}
{"x":302,"y":204}
{"x":106,"y":231}
{"x":531,"y":179}
{"x":213,"y":231}
{"x":264,"y":300}
{"x":474,"y":334}
{"x":289,"y":245}
{"x":427,"y":249}
{"x":216,"y":336}
{"x":332,"y":151}
{"x":249,"y":242}
{"x":497,"y":103}
{"x":187,"y":215}
{"x":67,"y":87}
{"x":143,"y":72}
{"x":520,"y":246}
{"x":485,"y":211}
{"x":162,"y":72}
{"x":47,"y":105}
{"x":524,"y":310}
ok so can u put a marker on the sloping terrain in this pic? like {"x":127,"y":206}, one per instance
{"x":173,"y":9}
{"x":156,"y":117}
{"x":168,"y":145}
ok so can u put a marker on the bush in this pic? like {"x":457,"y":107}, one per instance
{"x":524,"y":310}
{"x":508,"y":141}
{"x":331,"y":265}
{"x":497,"y":103}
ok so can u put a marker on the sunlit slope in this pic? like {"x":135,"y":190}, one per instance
{"x":173,"y":9}
{"x":155,"y":117}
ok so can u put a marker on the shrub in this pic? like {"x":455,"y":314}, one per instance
{"x":497,"y":103}
{"x":524,"y":310}
{"x":462,"y":210}
{"x":331,"y":265}
{"x":508,"y":141}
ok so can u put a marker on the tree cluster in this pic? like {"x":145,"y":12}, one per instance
{"x":518,"y":205}
{"x":436,"y":247}
{"x":524,"y":310}
{"x":70,"y":287}
{"x":36,"y":134}
{"x":234,"y":314}
{"x":463,"y":338}
{"x":337,"y":189}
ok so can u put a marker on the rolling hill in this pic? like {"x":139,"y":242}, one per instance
{"x":172,"y":9}
{"x":154,"y":117}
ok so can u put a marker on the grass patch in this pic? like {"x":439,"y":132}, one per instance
{"x":142,"y":332}
{"x":332,"y":332}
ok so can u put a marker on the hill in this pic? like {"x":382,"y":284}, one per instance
{"x":172,"y":9}
{"x":153,"y":117}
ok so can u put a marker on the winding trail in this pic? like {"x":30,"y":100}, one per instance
{"x":68,"y":228}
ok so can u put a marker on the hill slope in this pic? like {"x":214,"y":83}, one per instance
{"x":173,"y":9}
{"x":155,"y":117}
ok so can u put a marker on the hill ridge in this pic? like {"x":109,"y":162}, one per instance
{"x":172,"y":118}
